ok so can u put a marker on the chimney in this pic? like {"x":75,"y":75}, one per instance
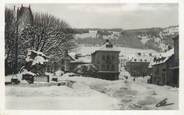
{"x":108,"y":44}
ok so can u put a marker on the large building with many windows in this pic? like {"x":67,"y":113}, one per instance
{"x":106,"y":59}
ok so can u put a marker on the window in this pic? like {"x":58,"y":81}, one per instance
{"x":103,"y":57}
{"x":108,"y":60}
{"x":103,"y":67}
{"x":108,"y":67}
{"x":97,"y":61}
{"x":112,"y":67}
{"x":163,"y":77}
{"x":97,"y":66}
{"x":108,"y":57}
{"x":113,"y":58}
{"x":157,"y":70}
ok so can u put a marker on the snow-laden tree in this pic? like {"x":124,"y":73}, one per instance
{"x":49,"y":35}
{"x":35,"y":62}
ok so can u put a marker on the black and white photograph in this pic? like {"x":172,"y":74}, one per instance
{"x":91,"y":56}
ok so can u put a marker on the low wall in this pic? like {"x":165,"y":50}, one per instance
{"x":42,"y":78}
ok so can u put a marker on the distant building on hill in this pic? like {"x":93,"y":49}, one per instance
{"x":106,"y":60}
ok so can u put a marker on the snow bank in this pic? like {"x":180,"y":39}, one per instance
{"x":59,"y":73}
{"x":27,"y":72}
{"x":123,"y":74}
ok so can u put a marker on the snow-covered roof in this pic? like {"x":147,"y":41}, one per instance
{"x":162,"y":58}
{"x":85,"y":59}
{"x":107,"y":47}
{"x":72,"y":55}
{"x":104,"y":48}
{"x":140,"y":59}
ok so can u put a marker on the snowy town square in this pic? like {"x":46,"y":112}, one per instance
{"x":91,"y":56}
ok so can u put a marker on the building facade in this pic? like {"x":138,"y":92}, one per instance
{"x":165,"y":69}
{"x":175,"y":65}
{"x":161,"y":73}
{"x":137,"y":69}
{"x":106,"y":60}
{"x":64,"y":63}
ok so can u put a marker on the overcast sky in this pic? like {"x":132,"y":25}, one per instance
{"x":126,"y":16}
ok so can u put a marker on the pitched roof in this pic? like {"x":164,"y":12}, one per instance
{"x":85,"y":59}
{"x":107,"y":47}
{"x":162,"y":58}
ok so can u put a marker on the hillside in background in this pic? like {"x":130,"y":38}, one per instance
{"x":159,"y":39}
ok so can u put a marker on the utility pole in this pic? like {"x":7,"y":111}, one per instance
{"x":66,"y":61}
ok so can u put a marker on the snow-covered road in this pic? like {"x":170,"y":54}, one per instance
{"x":57,"y":97}
{"x":91,"y":94}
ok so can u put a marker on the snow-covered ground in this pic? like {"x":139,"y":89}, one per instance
{"x":91,"y":94}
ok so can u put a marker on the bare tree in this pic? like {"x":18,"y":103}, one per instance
{"x":48,"y":34}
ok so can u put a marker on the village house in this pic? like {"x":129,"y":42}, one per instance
{"x":106,"y":60}
{"x":175,"y":65}
{"x":64,"y":63}
{"x":138,"y":64}
{"x":165,"y":69}
{"x":138,"y":67}
{"x":160,"y":72}
{"x":79,"y":60}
